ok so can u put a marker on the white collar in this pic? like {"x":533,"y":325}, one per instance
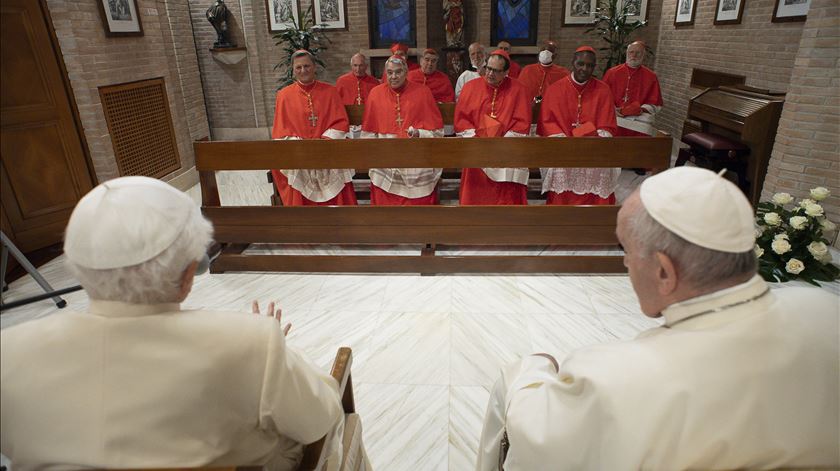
{"x":121,"y":309}
{"x":572,"y":76}
{"x":731,"y":297}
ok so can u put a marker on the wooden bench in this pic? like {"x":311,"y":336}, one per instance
{"x":428,"y":227}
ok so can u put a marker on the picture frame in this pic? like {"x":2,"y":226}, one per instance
{"x":684,"y":15}
{"x":120,"y":17}
{"x":638,"y":9}
{"x":282,"y":14}
{"x":729,"y":12}
{"x":330,"y":14}
{"x":790,"y":10}
{"x":579,"y":12}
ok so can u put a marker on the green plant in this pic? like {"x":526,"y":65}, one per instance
{"x":789,"y":243}
{"x":612,"y":26}
{"x":304,"y":35}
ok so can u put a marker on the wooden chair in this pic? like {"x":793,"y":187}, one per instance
{"x":313,"y":456}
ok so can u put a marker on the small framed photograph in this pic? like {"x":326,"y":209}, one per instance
{"x":728,"y":12}
{"x":329,"y":14}
{"x":120,"y":17}
{"x":579,"y":12}
{"x":790,"y":10}
{"x":282,"y":14}
{"x":636,"y":9}
{"x":685,"y":12}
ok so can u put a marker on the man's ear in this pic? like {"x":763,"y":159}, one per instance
{"x":187,"y":280}
{"x":666,"y":274}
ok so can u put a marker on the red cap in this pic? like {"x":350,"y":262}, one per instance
{"x":399,"y":47}
{"x":585,"y":49}
{"x":501,"y":52}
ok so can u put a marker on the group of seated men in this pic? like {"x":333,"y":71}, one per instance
{"x":738,"y":376}
{"x":490,"y":103}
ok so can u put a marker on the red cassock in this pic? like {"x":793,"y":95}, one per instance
{"x":389,"y":113}
{"x":354,"y":90}
{"x":515,"y":70}
{"x":438,"y":83}
{"x":564,"y":104}
{"x":634,"y":88}
{"x":493,"y":112}
{"x":411,"y":66}
{"x":537,"y":78}
{"x":314,"y":111}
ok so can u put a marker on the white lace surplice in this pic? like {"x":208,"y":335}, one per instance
{"x":600,"y":181}
{"x":322,"y":184}
{"x":405,"y":182}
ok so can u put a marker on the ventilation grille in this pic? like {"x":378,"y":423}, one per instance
{"x":141,"y":130}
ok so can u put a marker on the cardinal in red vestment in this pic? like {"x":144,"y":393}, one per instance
{"x":309,"y":109}
{"x":579,"y":106}
{"x":491,"y":107}
{"x":437,"y":81}
{"x":402,"y":109}
{"x":354,"y":86}
{"x":636,"y":93}
{"x":401,"y":50}
{"x":537,"y":77}
{"x":515,"y":69}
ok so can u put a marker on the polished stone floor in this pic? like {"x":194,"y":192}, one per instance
{"x":426,"y":349}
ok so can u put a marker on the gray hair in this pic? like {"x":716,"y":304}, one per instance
{"x":697,"y":266}
{"x":154,"y":281}
{"x":398,"y":61}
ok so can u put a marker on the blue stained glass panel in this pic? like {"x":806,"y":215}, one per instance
{"x":514,"y":19}
{"x":394,"y":21}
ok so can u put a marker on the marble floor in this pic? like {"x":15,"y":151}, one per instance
{"x":426,"y":349}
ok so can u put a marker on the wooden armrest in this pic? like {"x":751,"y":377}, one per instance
{"x":313,"y":453}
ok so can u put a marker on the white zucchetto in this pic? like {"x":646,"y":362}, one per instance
{"x":702,"y":207}
{"x":125,"y":222}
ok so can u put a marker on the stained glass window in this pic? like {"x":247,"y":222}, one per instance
{"x":392,"y":21}
{"x":514,"y":21}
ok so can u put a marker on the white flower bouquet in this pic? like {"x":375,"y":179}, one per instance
{"x":790,"y":243}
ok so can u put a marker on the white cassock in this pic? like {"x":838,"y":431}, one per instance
{"x":151,"y":386}
{"x":465,"y":77}
{"x":753,"y":385}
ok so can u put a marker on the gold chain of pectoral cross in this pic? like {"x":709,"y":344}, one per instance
{"x":627,"y":88}
{"x":313,"y":118}
{"x":493,"y":104}
{"x":579,"y":107}
{"x":399,"y":119}
{"x":542,"y":82}
{"x":358,"y":92}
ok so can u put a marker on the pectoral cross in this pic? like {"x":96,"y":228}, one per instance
{"x":399,"y":121}
{"x":493,"y":104}
{"x":313,"y":119}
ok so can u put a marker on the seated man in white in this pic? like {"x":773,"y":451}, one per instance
{"x":737,"y":377}
{"x":137,"y":382}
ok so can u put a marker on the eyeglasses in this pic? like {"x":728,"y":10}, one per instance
{"x":492,"y":70}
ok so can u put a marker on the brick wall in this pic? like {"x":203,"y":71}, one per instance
{"x":762,"y":51}
{"x":94,"y":60}
{"x":807,"y":148}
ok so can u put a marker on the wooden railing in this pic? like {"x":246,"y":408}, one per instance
{"x":430,"y":226}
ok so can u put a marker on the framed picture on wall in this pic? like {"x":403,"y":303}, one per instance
{"x":579,"y":12}
{"x":728,"y":12}
{"x":685,"y":12}
{"x":330,"y":14}
{"x":790,"y":10}
{"x":120,"y":17}
{"x":282,"y":14}
{"x":636,"y":9}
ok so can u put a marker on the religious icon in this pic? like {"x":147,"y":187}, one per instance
{"x":120,"y":17}
{"x":217,"y":15}
{"x":454,"y":18}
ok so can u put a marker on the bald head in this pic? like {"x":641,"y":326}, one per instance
{"x":550,"y":46}
{"x":636,"y":54}
{"x":358,"y":64}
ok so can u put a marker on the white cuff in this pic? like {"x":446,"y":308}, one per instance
{"x":466,"y":133}
{"x":559,"y":134}
{"x":514,"y":134}
{"x":603,"y":133}
{"x":334,"y":134}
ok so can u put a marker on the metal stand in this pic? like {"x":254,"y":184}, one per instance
{"x":8,"y":246}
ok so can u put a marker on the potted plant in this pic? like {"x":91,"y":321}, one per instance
{"x":304,"y":35}
{"x":790,"y":242}
{"x":612,"y":26}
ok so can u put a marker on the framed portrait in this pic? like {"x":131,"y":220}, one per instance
{"x":329,"y":14}
{"x":120,"y":17}
{"x":728,"y":12}
{"x":282,"y":14}
{"x":685,"y":12}
{"x":514,"y":21}
{"x":579,"y":12}
{"x":790,"y":10}
{"x":636,"y":9}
